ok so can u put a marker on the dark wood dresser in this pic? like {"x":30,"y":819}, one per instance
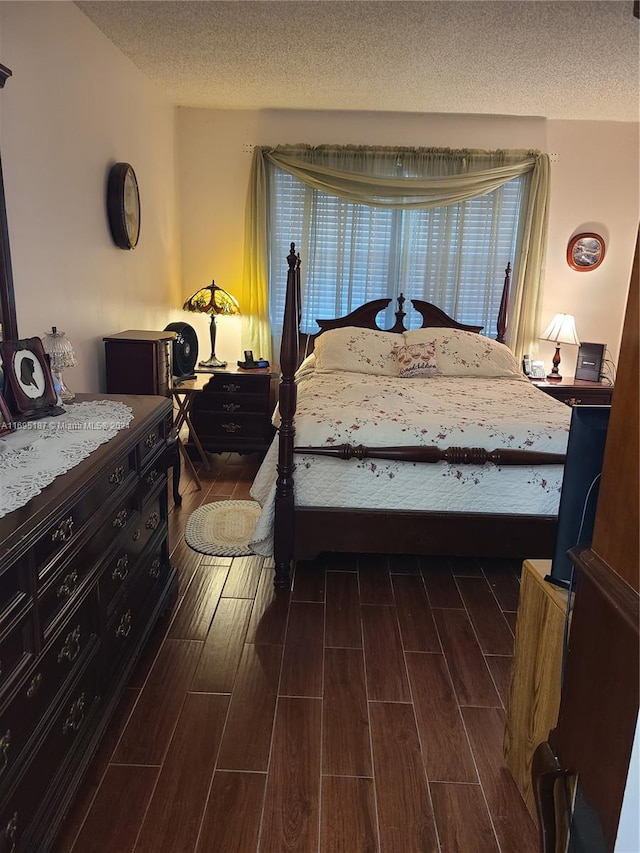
{"x":84,"y":575}
{"x":139,"y":362}
{"x":233,"y":411}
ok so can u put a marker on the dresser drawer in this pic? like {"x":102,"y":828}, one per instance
{"x":53,"y":751}
{"x":130,"y":615}
{"x":153,"y":442}
{"x":62,"y":586}
{"x":14,"y":584}
{"x":17,"y":642}
{"x":29,"y":704}
{"x":122,"y":566}
{"x":61,"y":535}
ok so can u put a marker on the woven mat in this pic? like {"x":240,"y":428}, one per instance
{"x":223,"y":528}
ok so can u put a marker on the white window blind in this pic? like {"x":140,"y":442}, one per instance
{"x":453,"y":256}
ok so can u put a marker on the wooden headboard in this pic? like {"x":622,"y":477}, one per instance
{"x":364,"y":317}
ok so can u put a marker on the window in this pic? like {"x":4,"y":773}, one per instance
{"x":453,"y":256}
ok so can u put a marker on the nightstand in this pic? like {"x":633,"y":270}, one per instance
{"x":233,"y":411}
{"x":577,"y":392}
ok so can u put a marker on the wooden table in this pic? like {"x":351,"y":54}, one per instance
{"x":184,"y":393}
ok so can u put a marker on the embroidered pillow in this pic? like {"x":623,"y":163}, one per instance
{"x":357,"y":351}
{"x":416,"y":360}
{"x":460,"y":353}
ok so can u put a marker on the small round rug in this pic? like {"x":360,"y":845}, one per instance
{"x":223,"y":528}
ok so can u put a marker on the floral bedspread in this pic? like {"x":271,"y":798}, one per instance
{"x":338,"y":408}
{"x":355,"y":408}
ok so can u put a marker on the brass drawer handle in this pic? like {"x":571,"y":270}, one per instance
{"x":75,"y":717}
{"x":10,"y":832}
{"x":121,"y":569}
{"x":231,"y":387}
{"x":153,"y":521}
{"x":572,"y":401}
{"x":150,"y":440}
{"x":231,"y":407}
{"x":117,"y":476}
{"x":121,"y":519}
{"x":71,"y":648}
{"x":154,"y":569}
{"x":124,"y":626}
{"x":5,"y":743}
{"x":231,"y":427}
{"x":137,"y":533}
{"x":33,"y":688}
{"x":69,"y":585}
{"x":152,"y":476}
{"x":64,"y":531}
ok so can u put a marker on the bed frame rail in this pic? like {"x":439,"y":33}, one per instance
{"x":431,"y":453}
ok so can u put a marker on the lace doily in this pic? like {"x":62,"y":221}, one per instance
{"x":39,"y":451}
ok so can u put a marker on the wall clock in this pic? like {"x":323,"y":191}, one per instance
{"x":585,"y":252}
{"x":123,"y":206}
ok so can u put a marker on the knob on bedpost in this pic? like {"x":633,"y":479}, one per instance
{"x":292,"y":257}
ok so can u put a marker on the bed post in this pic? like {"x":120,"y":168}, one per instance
{"x":503,"y":313}
{"x":284,"y":502}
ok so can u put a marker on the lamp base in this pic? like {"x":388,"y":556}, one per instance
{"x":212,"y":361}
{"x":64,"y":393}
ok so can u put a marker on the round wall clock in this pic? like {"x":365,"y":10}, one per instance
{"x":123,"y":206}
{"x":585,"y":252}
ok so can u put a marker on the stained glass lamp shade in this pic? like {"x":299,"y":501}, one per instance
{"x":212,"y":300}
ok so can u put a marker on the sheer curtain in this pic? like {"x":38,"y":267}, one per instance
{"x":411,"y":181}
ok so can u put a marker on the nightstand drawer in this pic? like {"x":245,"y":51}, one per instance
{"x":238,"y":383}
{"x":578,"y":392}
{"x":233,"y":426}
{"x":232,"y":403}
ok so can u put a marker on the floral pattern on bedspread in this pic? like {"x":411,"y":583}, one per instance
{"x":445,"y":411}
{"x":340,"y":408}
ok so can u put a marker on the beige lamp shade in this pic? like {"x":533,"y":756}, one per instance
{"x":561,"y":330}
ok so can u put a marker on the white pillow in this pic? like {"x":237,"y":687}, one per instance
{"x":357,"y":351}
{"x":307,"y":367}
{"x":416,"y":360}
{"x":460,"y":353}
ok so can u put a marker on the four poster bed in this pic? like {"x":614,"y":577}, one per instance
{"x":399,"y":441}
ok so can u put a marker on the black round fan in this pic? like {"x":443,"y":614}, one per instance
{"x":185,"y":350}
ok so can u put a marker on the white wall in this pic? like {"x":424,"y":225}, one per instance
{"x":594,"y":178}
{"x":595,"y":188}
{"x":73,"y":107}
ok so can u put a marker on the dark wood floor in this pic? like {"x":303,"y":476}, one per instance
{"x":364,"y":711}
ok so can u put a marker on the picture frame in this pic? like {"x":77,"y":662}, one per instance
{"x":29,"y":391}
{"x":585,"y":251}
{"x":6,"y":421}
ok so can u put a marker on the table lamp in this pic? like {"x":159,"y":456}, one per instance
{"x":61,"y":355}
{"x":561,"y":330}
{"x":212,"y":300}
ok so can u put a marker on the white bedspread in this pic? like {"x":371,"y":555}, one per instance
{"x":355,"y":408}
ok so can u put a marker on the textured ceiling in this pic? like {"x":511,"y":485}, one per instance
{"x":571,"y":60}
